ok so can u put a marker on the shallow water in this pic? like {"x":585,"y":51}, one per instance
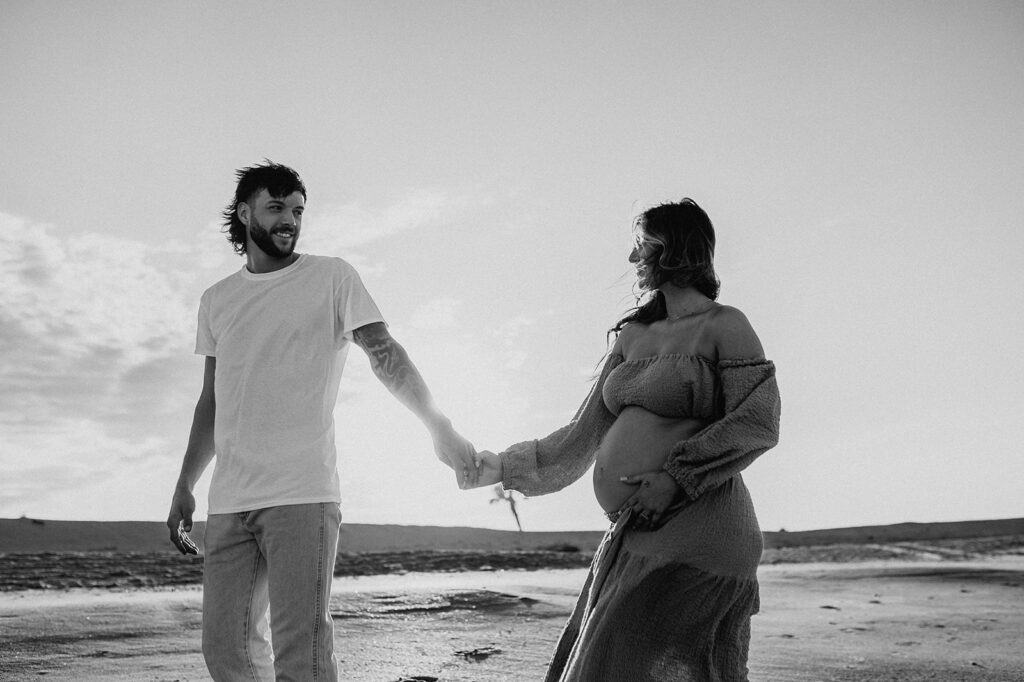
{"x":554,"y":581}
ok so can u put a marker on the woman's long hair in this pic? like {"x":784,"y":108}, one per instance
{"x":683,"y":253}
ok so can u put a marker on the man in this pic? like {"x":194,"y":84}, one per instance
{"x":275,"y":336}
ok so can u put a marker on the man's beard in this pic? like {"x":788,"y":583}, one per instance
{"x":263,"y":239}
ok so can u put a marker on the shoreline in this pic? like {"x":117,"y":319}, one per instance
{"x":114,"y":570}
{"x":849,"y":622}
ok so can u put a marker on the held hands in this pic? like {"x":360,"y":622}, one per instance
{"x":472,"y":469}
{"x":458,"y":453}
{"x":656,"y":491}
{"x":489,"y":470}
{"x":179,"y":520}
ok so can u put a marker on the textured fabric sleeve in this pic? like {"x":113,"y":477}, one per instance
{"x":546,"y":465}
{"x":205,"y":343}
{"x":355,"y":307}
{"x":749,"y":426}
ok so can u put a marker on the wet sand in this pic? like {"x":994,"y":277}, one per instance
{"x":849,"y":622}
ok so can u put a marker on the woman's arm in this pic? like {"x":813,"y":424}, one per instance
{"x":733,"y":335}
{"x":751,"y":407}
{"x":546,"y":465}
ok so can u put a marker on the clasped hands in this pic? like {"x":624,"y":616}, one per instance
{"x":656,"y":491}
{"x":472,"y":469}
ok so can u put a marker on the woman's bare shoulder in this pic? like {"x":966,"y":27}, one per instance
{"x":622,"y":340}
{"x":627,"y":337}
{"x":733,"y":334}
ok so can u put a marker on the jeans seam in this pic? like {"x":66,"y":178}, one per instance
{"x":319,"y":590}
{"x":248,"y":619}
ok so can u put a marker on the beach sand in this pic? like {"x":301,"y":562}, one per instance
{"x":879,"y":620}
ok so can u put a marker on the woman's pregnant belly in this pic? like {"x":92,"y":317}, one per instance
{"x":639,"y":441}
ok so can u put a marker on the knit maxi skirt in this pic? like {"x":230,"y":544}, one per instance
{"x":670,"y":604}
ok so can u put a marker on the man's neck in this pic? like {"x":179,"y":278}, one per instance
{"x":257,"y":262}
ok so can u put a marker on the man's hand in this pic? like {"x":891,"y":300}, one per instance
{"x":179,"y":520}
{"x":458,"y":453}
{"x":489,"y":470}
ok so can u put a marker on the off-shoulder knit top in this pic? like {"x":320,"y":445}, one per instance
{"x":671,"y":385}
{"x":738,"y":397}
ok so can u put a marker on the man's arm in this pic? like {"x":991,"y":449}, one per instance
{"x":391,"y":363}
{"x":197,"y":457}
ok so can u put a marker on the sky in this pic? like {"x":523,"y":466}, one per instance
{"x":480,"y":164}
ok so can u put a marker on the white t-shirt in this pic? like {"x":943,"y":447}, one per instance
{"x":280,"y":339}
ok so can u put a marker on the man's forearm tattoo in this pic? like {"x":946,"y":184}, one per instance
{"x":392,"y":365}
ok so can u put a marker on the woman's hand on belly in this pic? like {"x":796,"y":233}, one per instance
{"x":638,"y":443}
{"x":656,"y":491}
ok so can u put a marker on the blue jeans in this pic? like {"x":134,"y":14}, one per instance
{"x":276,"y":562}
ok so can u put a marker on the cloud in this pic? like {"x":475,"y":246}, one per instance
{"x":95,"y":342}
{"x":80,"y":293}
{"x":66,"y":458}
{"x":99,"y":378}
{"x":509,"y":335}
{"x":339,"y":228}
{"x":436,"y":314}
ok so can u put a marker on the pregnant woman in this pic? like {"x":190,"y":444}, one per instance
{"x":684,"y":402}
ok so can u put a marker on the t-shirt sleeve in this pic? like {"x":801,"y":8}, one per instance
{"x":205,"y":343}
{"x":355,"y":306}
